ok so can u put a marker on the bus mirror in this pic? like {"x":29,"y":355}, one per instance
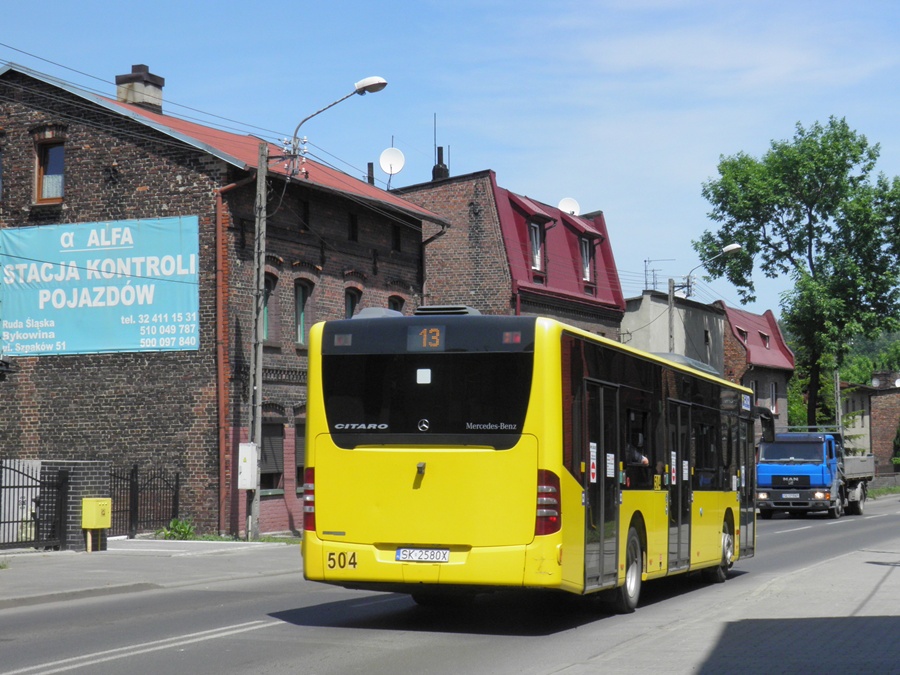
{"x":767,"y":422}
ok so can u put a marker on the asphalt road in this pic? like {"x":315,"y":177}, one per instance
{"x":820,"y":596}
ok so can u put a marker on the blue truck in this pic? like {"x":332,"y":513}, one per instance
{"x":803,"y":472}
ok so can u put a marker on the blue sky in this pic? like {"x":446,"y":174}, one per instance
{"x":623,"y":105}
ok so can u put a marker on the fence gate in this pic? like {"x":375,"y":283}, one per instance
{"x":32,"y":504}
{"x":142,"y":502}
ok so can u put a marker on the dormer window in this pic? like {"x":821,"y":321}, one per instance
{"x":764,"y":338}
{"x":587,"y":259}
{"x":536,"y":233}
{"x":742,"y":334}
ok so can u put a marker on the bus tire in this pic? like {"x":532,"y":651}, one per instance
{"x":719,"y":573}
{"x":628,"y":594}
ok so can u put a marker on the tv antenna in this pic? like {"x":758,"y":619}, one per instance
{"x":648,"y":271}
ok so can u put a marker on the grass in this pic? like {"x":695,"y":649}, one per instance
{"x":884,"y":492}
{"x":4,"y":564}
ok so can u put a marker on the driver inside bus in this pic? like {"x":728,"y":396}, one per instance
{"x":635,"y":450}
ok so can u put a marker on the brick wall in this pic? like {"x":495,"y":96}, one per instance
{"x":160,"y":409}
{"x":466,"y":265}
{"x":885,"y":417}
{"x":86,"y":479}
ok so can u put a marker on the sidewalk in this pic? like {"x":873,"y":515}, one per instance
{"x":131,"y":565}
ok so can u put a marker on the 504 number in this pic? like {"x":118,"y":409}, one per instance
{"x":341,"y":560}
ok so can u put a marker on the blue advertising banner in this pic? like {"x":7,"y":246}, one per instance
{"x":85,"y":288}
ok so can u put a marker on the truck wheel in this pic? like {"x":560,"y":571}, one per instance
{"x":627,"y":594}
{"x":837,"y":510}
{"x":858,"y":507}
{"x":718,"y":574}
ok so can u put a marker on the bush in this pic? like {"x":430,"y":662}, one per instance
{"x":177,"y":529}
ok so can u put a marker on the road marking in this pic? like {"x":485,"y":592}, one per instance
{"x":142,"y":648}
{"x":796,"y":529}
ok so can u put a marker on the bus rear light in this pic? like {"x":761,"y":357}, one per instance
{"x":548,"y":517}
{"x":309,"y":500}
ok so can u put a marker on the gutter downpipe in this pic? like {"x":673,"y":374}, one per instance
{"x":425,"y":243}
{"x":222,"y":377}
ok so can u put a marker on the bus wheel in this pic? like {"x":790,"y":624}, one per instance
{"x":718,"y":574}
{"x":628,"y":594}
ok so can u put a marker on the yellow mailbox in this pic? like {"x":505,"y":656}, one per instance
{"x":96,"y":513}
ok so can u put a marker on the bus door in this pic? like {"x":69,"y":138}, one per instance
{"x":679,"y":485}
{"x":601,"y":485}
{"x":746,"y":460}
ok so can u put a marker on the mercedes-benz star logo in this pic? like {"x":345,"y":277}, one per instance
{"x":424,"y":425}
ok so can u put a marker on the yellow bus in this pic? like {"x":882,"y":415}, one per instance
{"x":451,"y":453}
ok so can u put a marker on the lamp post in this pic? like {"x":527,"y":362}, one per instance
{"x":368,"y":85}
{"x":365,"y":86}
{"x":730,"y":248}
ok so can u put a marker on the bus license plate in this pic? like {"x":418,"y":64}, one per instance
{"x":791,"y":495}
{"x":427,"y":555}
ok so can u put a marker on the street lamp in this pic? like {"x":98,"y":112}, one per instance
{"x":730,"y":248}
{"x":365,"y":86}
{"x":368,"y":85}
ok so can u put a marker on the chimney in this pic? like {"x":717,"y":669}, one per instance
{"x":371,"y":175}
{"x":141,"y":87}
{"x":440,"y":169}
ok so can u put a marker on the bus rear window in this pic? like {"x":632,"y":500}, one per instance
{"x":427,"y":397}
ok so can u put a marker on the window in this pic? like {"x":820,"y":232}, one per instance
{"x":586,"y":259}
{"x":51,"y":162}
{"x":764,"y":338}
{"x":537,"y":253}
{"x":742,"y":334}
{"x":353,"y":228}
{"x":271,"y":460}
{"x":302,"y":293}
{"x":300,"y":451}
{"x":351,"y":302}
{"x":395,"y":302}
{"x":396,"y":238}
{"x":773,"y":397}
{"x":304,"y":216}
{"x":754,"y":387}
{"x":270,"y":310}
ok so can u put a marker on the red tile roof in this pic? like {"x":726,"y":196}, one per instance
{"x":761,"y":337}
{"x":563,"y":234}
{"x":240,"y":150}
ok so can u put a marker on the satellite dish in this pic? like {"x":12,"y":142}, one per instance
{"x":570,"y":206}
{"x":876,"y":382}
{"x":391,"y":161}
{"x":897,"y":383}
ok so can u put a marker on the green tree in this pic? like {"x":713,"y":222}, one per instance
{"x":810,"y":209}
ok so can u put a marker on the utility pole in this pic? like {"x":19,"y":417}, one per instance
{"x":259,"y":306}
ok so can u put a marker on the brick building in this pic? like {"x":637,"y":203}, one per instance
{"x":166,"y":384}
{"x":884,"y":406}
{"x":757,"y":356}
{"x":505,"y":253}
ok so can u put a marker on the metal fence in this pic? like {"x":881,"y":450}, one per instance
{"x":142,"y":501}
{"x":32,"y":504}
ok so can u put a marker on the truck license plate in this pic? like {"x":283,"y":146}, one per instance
{"x":790,"y":495}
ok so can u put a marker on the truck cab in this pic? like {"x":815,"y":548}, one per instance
{"x":801,"y":473}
